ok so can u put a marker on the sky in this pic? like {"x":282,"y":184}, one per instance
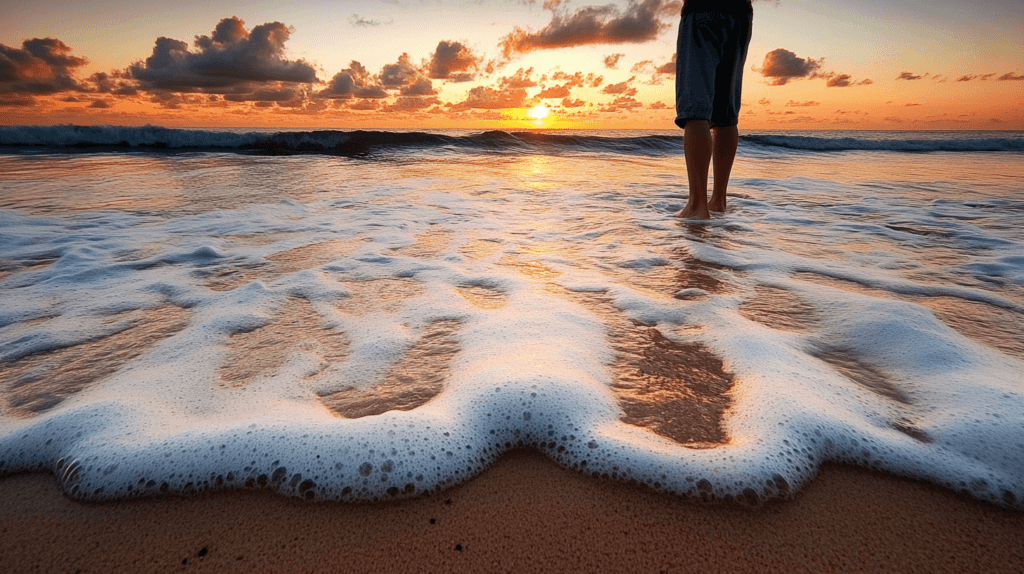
{"x":501,"y":64}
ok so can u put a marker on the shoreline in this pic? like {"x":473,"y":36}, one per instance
{"x":523,"y":514}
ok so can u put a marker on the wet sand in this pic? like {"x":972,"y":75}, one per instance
{"x":525,"y":514}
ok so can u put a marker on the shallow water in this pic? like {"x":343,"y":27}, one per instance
{"x":357,"y":327}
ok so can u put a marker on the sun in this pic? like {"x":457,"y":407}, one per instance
{"x":538,"y":112}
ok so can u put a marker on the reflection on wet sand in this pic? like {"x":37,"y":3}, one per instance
{"x":10,"y":267}
{"x":417,"y":377}
{"x":379,"y":295}
{"x":39,"y":382}
{"x":480,"y":249}
{"x":779,"y":309}
{"x":226,"y":278}
{"x":678,"y":390}
{"x":429,"y":244}
{"x":483,"y":297}
{"x":263,"y":351}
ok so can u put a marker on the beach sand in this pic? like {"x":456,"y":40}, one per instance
{"x":524,"y":514}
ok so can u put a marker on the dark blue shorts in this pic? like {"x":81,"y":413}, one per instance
{"x":710,"y":56}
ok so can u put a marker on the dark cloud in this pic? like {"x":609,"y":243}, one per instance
{"x":909,"y":76}
{"x":17,"y":102}
{"x":354,"y":81}
{"x":845,"y":81}
{"x":640,"y":22}
{"x":420,"y":87}
{"x":41,"y":66}
{"x":411,"y":104}
{"x":622,"y":88}
{"x":487,"y":98}
{"x":1010,"y":76}
{"x":401,"y":73}
{"x":452,"y":61}
{"x":229,"y":58}
{"x":668,"y":67}
{"x":113,"y":83}
{"x":781,"y":66}
{"x":360,"y":22}
{"x":280,"y":94}
{"x":612,"y":62}
{"x":100,"y":104}
{"x":972,"y":77}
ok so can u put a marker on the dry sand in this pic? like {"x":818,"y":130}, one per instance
{"x":525,"y":514}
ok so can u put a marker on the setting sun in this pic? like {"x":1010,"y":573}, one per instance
{"x":538,"y":112}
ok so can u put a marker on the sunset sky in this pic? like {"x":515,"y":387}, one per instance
{"x":812,"y":64}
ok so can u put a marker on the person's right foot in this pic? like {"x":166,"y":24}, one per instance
{"x":691,"y":212}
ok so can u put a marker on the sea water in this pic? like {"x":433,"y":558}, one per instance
{"x":365,"y":315}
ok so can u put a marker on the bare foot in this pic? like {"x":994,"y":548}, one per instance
{"x":717,"y":204}
{"x":692,"y":212}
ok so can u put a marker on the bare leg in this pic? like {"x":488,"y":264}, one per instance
{"x":697,"y":144}
{"x":725,"y":141}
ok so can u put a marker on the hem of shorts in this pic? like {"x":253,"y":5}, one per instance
{"x":681,"y":122}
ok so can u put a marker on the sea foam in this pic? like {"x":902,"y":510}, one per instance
{"x":538,"y":289}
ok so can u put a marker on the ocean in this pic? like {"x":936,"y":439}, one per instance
{"x":365,"y":315}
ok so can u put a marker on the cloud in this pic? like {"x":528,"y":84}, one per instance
{"x":577,"y":103}
{"x":668,"y":67}
{"x":641,"y":22}
{"x":793,"y":104}
{"x":229,"y":58}
{"x":622,"y":88}
{"x":972,"y":77}
{"x":554,"y":92}
{"x":520,"y":79}
{"x":17,"y":102}
{"x":100,"y":104}
{"x":487,"y":98}
{"x":452,"y":61}
{"x":578,"y":80}
{"x":354,"y":81}
{"x":360,"y":22}
{"x":1010,"y":76}
{"x":659,"y":106}
{"x":41,"y":66}
{"x":782,"y":66}
{"x":612,"y":62}
{"x":643,"y":67}
{"x":909,"y":76}
{"x":621,"y":104}
{"x":845,"y":81}
{"x":764,"y":101}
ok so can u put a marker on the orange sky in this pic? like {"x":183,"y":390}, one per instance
{"x":853,"y":64}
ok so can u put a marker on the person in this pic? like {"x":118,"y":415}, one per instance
{"x":710,"y":56}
